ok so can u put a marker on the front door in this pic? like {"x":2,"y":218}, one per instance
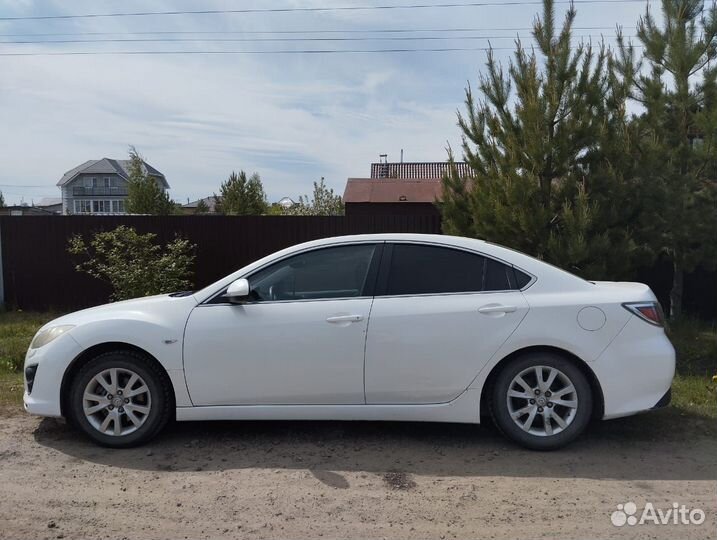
{"x":299,"y":340}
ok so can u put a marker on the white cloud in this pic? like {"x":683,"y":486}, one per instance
{"x":292,"y":118}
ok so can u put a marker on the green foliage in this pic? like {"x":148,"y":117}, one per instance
{"x":545,"y":141}
{"x":134,"y":264}
{"x":145,"y":195}
{"x":2,"y":200}
{"x":675,"y":81}
{"x":242,"y":196}
{"x":202,"y":207}
{"x":323,"y":203}
{"x":275,"y":209}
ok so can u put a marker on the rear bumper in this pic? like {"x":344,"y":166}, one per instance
{"x":636,"y":370}
{"x":664,"y":400}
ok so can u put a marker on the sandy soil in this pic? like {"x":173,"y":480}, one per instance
{"x":348,"y":480}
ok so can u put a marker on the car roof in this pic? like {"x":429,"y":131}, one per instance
{"x":549,"y":277}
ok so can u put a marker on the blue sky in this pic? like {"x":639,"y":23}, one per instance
{"x":292,"y":118}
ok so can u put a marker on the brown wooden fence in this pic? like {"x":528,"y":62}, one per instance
{"x":38,"y":273}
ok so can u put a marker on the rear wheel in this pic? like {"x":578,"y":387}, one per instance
{"x":120,"y":399}
{"x":541,"y":401}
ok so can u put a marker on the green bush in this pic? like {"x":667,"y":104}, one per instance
{"x":134,"y":264}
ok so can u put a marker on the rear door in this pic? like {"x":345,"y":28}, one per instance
{"x":439,"y":316}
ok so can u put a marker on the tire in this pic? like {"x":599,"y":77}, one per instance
{"x":559,"y":414}
{"x":139,"y":409}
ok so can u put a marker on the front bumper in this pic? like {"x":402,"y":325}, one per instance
{"x":52,"y":361}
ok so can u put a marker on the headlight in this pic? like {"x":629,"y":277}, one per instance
{"x":46,"y":336}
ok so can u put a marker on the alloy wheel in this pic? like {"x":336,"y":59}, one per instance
{"x":542,"y":400}
{"x":116,"y":401}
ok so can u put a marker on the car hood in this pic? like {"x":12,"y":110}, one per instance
{"x":148,"y":307}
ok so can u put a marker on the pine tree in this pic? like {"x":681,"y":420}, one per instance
{"x":241,"y":196}
{"x":543,"y":140}
{"x":675,"y":82}
{"x":144,"y":194}
{"x":2,"y":200}
{"x":202,"y":207}
{"x":323,"y":202}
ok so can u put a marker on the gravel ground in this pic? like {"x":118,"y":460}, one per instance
{"x":350,"y":480}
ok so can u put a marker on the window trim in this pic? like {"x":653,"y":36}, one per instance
{"x":77,"y":205}
{"x":369,"y":286}
{"x":384,"y":271}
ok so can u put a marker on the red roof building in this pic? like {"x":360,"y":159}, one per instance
{"x":399,"y":188}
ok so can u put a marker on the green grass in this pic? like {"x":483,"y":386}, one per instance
{"x":11,"y":388}
{"x":696,"y":395}
{"x":17,"y":329}
{"x":694,"y":391}
{"x":696,"y":344}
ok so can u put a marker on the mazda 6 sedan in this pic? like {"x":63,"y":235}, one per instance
{"x":400,"y":327}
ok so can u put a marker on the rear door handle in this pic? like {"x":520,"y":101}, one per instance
{"x":492,"y":308}
{"x":344,"y":318}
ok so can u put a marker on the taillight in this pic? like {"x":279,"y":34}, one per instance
{"x":648,"y":311}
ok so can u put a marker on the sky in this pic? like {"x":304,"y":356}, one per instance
{"x":293,"y":118}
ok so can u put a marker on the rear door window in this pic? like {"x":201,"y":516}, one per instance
{"x":421,"y":269}
{"x":425,"y":269}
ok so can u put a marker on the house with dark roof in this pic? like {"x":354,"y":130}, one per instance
{"x":99,"y":186}
{"x":192,"y":206}
{"x":399,"y":188}
{"x":24,"y":209}
{"x":50,"y":204}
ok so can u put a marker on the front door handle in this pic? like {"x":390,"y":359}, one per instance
{"x":344,"y":318}
{"x":497,"y":308}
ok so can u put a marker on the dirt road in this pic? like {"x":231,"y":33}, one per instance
{"x":350,"y":480}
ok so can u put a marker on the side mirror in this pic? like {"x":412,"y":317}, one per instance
{"x":238,"y":291}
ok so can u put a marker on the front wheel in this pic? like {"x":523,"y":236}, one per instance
{"x":541,"y":401}
{"x":119,"y":399}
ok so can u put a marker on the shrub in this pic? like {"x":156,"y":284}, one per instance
{"x":134,"y":264}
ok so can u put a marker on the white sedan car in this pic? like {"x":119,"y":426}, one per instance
{"x":372,"y":327}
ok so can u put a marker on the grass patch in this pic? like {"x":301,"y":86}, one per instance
{"x":696,"y":345}
{"x":693,"y":390}
{"x":11,"y":389}
{"x":17,"y":329}
{"x":695,"y":395}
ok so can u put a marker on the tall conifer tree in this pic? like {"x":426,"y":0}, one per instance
{"x":675,"y":82}
{"x":543,"y":139}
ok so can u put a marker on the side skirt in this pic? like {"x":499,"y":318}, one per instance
{"x":463,"y":409}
